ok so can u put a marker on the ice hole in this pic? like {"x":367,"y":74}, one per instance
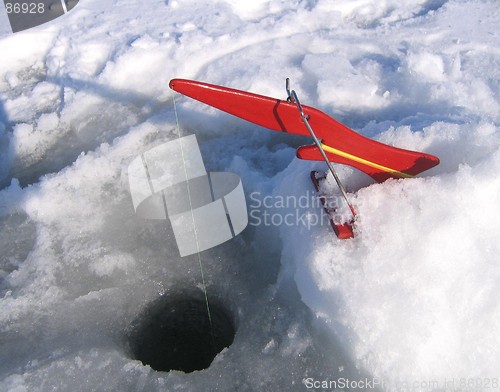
{"x":175,"y":333}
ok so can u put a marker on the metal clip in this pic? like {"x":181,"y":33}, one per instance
{"x":288,"y":91}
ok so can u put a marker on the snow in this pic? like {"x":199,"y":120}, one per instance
{"x":412,"y":299}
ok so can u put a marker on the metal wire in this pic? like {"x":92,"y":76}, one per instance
{"x":292,"y":97}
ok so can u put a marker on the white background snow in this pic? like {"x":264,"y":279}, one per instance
{"x":412,"y":300}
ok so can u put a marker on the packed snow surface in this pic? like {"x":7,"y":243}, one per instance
{"x":411,"y":302}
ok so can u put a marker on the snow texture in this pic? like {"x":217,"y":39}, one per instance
{"x":411,"y":301}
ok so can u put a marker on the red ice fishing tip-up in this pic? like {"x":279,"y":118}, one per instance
{"x":333,"y":140}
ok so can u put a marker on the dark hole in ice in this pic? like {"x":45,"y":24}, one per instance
{"x":175,"y":333}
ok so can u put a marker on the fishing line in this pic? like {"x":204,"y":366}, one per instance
{"x":203,"y":282}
